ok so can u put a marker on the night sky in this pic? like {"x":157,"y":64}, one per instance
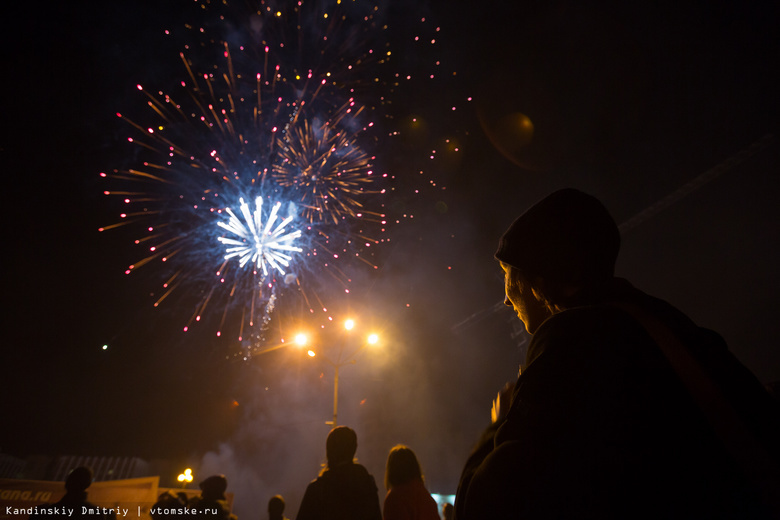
{"x":670,"y":102}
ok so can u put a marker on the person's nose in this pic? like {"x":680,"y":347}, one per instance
{"x":507,"y":302}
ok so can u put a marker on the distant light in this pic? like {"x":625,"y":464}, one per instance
{"x":442,"y":499}
{"x":373,"y":339}
{"x":301,"y":339}
{"x":186,"y":476}
{"x":311,"y":353}
{"x":349,"y":324}
{"x":105,"y":347}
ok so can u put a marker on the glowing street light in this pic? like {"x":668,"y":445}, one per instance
{"x":185,"y":478}
{"x":301,"y":340}
{"x":341,"y":360}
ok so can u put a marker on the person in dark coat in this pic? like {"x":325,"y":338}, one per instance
{"x":344,"y":490}
{"x":74,"y":504}
{"x":624,"y":408}
{"x":212,"y":502}
{"x":276,"y":508}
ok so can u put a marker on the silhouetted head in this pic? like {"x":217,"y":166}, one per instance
{"x":567,"y":238}
{"x":562,"y":245}
{"x":78,"y":480}
{"x":341,"y":445}
{"x":214,"y":487}
{"x":402,"y":467}
{"x":276,"y":507}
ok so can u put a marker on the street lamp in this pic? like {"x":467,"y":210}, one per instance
{"x":185,"y":478}
{"x":342,"y":360}
{"x":299,"y":340}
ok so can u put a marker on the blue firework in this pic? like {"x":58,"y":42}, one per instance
{"x":265,"y":244}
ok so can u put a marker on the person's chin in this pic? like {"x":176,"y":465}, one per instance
{"x":530,"y":327}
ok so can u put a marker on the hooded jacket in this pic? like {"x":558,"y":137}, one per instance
{"x":601,"y":426}
{"x":346,"y":491}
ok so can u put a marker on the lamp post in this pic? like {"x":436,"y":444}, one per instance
{"x":371,"y":339}
{"x":335,"y":421}
{"x":301,"y":340}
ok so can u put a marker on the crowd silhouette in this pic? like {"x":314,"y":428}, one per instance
{"x":624,"y":408}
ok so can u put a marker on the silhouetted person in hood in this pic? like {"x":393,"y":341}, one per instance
{"x":74,"y":504}
{"x":276,"y":508}
{"x":212,"y":503}
{"x":344,"y":490}
{"x":625,"y":409}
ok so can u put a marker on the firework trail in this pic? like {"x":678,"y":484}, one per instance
{"x":275,"y":107}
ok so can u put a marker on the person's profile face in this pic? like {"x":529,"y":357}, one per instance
{"x":520,"y":297}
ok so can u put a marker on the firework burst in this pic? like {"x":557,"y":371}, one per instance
{"x":328,"y":171}
{"x":258,"y":123}
{"x":262,"y":243}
